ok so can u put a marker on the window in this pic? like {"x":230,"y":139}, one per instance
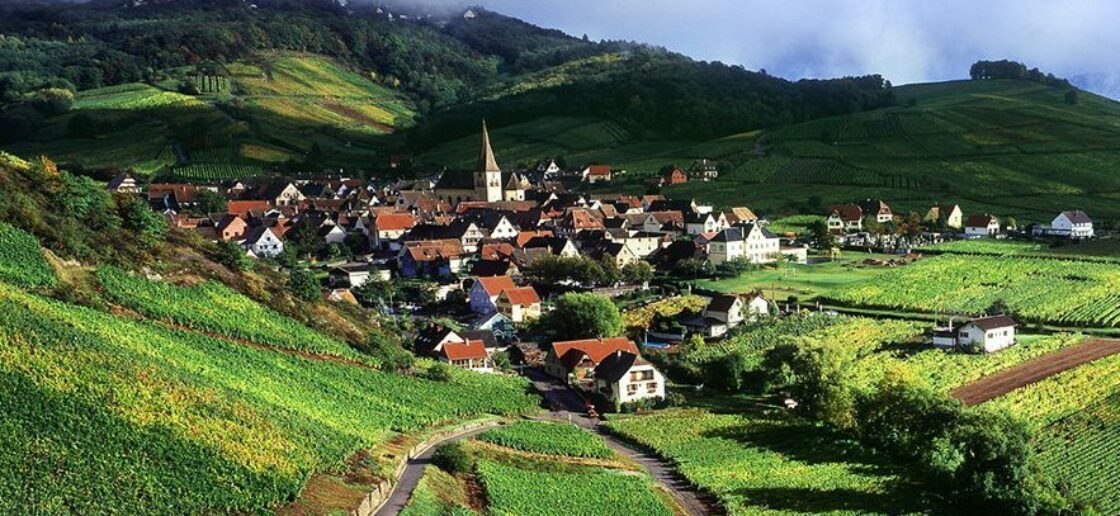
{"x":632,"y":389}
{"x":651,"y":387}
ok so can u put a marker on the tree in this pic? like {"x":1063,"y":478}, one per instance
{"x":872,"y":225}
{"x":638,"y":272}
{"x":581,"y":315}
{"x":1071,"y":97}
{"x":303,"y":285}
{"x":821,"y":236}
{"x":52,"y":101}
{"x":233,"y":256}
{"x":388,"y":352}
{"x":211,"y":202}
{"x":138,"y":217}
{"x":818,"y":377}
{"x":374,"y":293}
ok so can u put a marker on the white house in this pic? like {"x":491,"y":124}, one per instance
{"x":752,"y":242}
{"x":987,"y":333}
{"x":483,"y":295}
{"x":845,"y":217}
{"x":757,"y":306}
{"x":1074,"y":224}
{"x":351,"y":274}
{"x":623,"y":377}
{"x":262,"y":242}
{"x":981,"y":226}
{"x":722,"y":313}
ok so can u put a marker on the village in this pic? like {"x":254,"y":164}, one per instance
{"x":476,"y":258}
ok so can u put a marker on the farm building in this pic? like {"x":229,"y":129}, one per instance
{"x":978,"y":226}
{"x":1074,"y":224}
{"x":987,"y":333}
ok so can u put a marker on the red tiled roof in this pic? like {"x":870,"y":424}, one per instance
{"x":979,"y":221}
{"x":394,"y":221}
{"x":496,"y":251}
{"x":471,"y":349}
{"x":522,"y":296}
{"x":494,"y":285}
{"x":525,"y":236}
{"x":594,"y":349}
{"x":599,"y":170}
{"x":242,"y":208}
{"x":428,"y":250}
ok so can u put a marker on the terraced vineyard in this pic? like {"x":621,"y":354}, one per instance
{"x":512,"y":490}
{"x":758,"y":464}
{"x":1063,"y":394}
{"x":548,"y":438}
{"x":1073,"y":293}
{"x":21,"y":260}
{"x":1082,"y":449}
{"x":102,"y":412}
{"x":213,"y":307}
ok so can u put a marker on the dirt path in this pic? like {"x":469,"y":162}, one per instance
{"x":1003,"y":382}
{"x":413,"y":471}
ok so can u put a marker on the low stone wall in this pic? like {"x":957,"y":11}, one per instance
{"x":381,"y":493}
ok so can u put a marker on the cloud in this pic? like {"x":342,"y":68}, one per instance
{"x":905,"y":40}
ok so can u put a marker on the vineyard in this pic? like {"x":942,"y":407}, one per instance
{"x":548,"y":438}
{"x":438,"y":494}
{"x":827,"y":172}
{"x":134,"y":97}
{"x":21,"y":260}
{"x":1083,"y":252}
{"x":1050,"y":400}
{"x":213,"y":307}
{"x":1082,"y":449}
{"x":512,"y":490}
{"x":762,"y":464}
{"x":1036,"y":289}
{"x":103,"y":412}
{"x":216,"y":163}
{"x":643,"y":316}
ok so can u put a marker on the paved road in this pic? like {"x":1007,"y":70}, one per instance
{"x":402,"y":490}
{"x":566,"y":405}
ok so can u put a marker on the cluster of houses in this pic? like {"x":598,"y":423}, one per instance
{"x":479,"y":223}
{"x":852,"y":218}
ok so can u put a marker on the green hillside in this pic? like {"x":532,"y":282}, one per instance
{"x":123,"y":392}
{"x":275,"y":107}
{"x":1010,"y":147}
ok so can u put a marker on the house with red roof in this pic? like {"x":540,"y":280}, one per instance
{"x":519,"y":304}
{"x":596,"y":173}
{"x":388,"y":228}
{"x":576,"y":359}
{"x":483,"y":295}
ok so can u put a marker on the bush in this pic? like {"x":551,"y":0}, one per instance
{"x":303,"y":285}
{"x":232,"y":256}
{"x":578,"y":316}
{"x":388,"y":352}
{"x":453,"y":458}
{"x":440,"y":372}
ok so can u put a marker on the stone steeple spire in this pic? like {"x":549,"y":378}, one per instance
{"x":486,"y":160}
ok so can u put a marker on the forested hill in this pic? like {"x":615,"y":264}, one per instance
{"x":251,"y":66}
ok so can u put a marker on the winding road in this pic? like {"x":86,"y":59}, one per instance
{"x":567,"y":406}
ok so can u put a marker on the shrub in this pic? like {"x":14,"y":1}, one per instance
{"x":453,"y":458}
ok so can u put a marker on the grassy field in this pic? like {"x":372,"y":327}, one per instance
{"x":805,"y":282}
{"x":103,"y":412}
{"x":514,"y":490}
{"x":760,"y":464}
{"x":21,"y":259}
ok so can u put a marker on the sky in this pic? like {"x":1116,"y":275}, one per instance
{"x":904,"y":40}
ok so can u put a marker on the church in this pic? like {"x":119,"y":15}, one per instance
{"x":486,"y":183}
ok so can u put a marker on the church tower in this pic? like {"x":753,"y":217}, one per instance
{"x":487,"y":175}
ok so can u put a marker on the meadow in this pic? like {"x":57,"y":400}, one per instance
{"x":756,"y":463}
{"x":803,"y":281}
{"x":104,"y":412}
{"x":1074,"y":293}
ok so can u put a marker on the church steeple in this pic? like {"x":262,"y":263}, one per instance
{"x":486,"y":160}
